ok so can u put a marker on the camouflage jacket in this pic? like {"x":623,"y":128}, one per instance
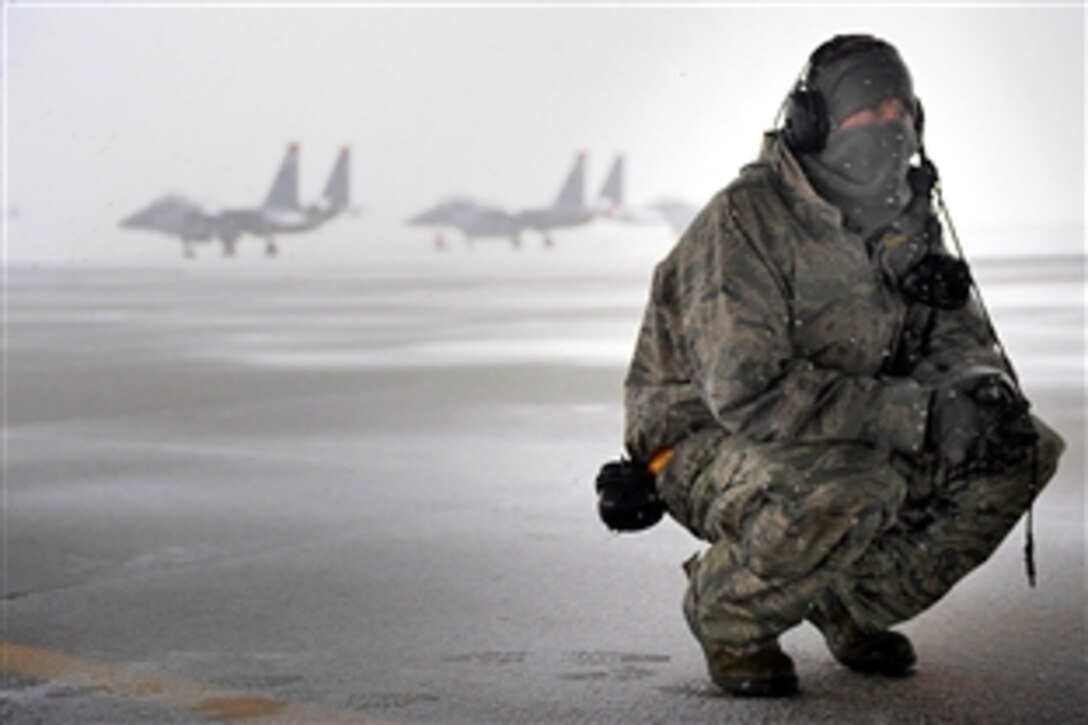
{"x":771,"y":320}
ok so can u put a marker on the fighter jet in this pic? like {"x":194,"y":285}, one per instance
{"x":477,"y":220}
{"x":280,"y":213}
{"x":472,"y":218}
{"x":612,"y":206}
{"x":569,"y":208}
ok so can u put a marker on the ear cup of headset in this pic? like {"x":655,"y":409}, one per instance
{"x":919,"y":119}
{"x":806,"y":126}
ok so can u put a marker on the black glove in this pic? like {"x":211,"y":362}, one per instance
{"x":627,"y":498}
{"x":980,"y":425}
{"x":1011,"y":428}
{"x":916,"y":218}
{"x":937,"y":280}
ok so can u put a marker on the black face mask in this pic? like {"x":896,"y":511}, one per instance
{"x":863,"y":171}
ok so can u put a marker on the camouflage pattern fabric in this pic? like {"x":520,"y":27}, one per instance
{"x":791,"y":524}
{"x":768,"y":359}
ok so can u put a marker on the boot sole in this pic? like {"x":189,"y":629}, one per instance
{"x":884,"y":670}
{"x":757,"y":687}
{"x":895,"y":659}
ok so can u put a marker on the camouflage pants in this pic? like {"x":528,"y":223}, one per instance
{"x":791,"y":525}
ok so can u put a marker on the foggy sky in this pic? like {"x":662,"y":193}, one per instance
{"x":109,"y":107}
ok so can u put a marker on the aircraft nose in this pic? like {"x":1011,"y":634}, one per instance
{"x":144,"y":217}
{"x":425,"y":217}
{"x":134,"y":220}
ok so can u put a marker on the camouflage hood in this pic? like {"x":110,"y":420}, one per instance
{"x":770,"y":319}
{"x":797,"y":191}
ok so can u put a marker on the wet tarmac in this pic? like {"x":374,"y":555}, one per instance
{"x":366,"y":495}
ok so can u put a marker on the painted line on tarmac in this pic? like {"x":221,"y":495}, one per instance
{"x":202,"y":698}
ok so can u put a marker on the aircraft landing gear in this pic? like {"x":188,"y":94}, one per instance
{"x":270,"y":248}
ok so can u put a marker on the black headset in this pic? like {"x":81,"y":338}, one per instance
{"x":807,"y":123}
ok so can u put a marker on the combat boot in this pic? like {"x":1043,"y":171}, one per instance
{"x":760,"y":671}
{"x":882,"y":652}
{"x":766,"y":672}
